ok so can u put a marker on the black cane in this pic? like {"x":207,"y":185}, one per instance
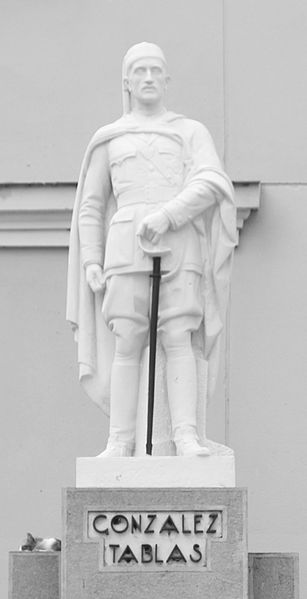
{"x":156,"y":277}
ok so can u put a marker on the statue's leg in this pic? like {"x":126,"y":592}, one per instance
{"x":181,"y":312}
{"x":125,"y":377}
{"x":130,"y":328}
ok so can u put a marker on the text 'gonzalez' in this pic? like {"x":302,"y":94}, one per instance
{"x":155,"y":539}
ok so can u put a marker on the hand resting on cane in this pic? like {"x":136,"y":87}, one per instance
{"x":153,"y":226}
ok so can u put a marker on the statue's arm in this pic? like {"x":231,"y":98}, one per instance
{"x":198,"y":193}
{"x":96,"y":191}
{"x":95,"y":194}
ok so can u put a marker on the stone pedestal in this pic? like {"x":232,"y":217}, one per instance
{"x":168,"y":543}
{"x":216,"y":470}
{"x":273,"y":576}
{"x":34,"y":575}
{"x":158,"y":472}
{"x":153,"y":528}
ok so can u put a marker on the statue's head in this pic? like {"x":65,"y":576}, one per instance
{"x":145,"y":76}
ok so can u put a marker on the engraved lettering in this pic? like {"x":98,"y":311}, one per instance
{"x":176,"y":556}
{"x":196,"y":549}
{"x":157,"y":560}
{"x":146,"y":554}
{"x":169,"y":526}
{"x":128,"y":556}
{"x":136,"y":525}
{"x":114,"y":549}
{"x":179,"y":538}
{"x":211,"y":530}
{"x":185,"y":531}
{"x":119,"y":523}
{"x":151,"y":518}
{"x":197,"y":520}
{"x":97,"y":522}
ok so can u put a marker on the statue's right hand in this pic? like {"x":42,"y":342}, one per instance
{"x":94,"y":277}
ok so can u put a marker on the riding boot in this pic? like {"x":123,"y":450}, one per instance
{"x":123,"y":409}
{"x":182,"y":397}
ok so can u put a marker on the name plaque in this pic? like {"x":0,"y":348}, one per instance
{"x":149,"y":542}
{"x":169,"y":540}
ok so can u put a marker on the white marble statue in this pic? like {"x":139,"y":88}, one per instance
{"x":150,"y":178}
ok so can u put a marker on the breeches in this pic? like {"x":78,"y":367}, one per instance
{"x":126,"y":306}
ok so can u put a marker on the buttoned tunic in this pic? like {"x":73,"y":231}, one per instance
{"x":146,"y":172}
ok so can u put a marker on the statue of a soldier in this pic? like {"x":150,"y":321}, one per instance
{"x":150,"y":179}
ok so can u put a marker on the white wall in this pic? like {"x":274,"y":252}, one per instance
{"x":268,"y":410}
{"x":266,"y":133}
{"x":265,"y":62}
{"x":61,"y":64}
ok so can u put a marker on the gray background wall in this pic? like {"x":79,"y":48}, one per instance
{"x":239,"y":67}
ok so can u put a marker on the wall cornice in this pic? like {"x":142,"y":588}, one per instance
{"x":39,"y":215}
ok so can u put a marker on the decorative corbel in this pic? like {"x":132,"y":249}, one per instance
{"x":247,"y":198}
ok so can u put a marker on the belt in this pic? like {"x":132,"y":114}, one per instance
{"x":145,"y":196}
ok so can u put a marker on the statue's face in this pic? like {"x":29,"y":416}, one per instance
{"x":147,"y":81}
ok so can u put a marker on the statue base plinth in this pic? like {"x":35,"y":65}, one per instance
{"x":170,"y":543}
{"x":216,"y":470}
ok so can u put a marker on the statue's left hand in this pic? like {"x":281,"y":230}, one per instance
{"x":153,"y":226}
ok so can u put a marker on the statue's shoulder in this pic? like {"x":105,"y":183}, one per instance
{"x":191,"y":128}
{"x":108,"y":131}
{"x":99,"y":139}
{"x":197,"y":137}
